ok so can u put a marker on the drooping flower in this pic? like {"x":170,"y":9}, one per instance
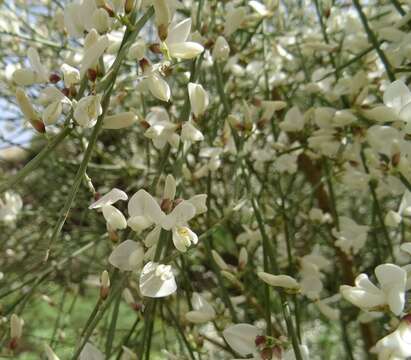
{"x":367,"y":296}
{"x":114,"y":217}
{"x":144,"y":211}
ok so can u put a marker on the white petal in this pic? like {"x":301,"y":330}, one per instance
{"x":120,"y":257}
{"x":180,"y":215}
{"x":406,"y":247}
{"x":114,"y":217}
{"x":284,"y":281}
{"x":190,"y":133}
{"x":90,"y":352}
{"x":397,"y":95}
{"x":93,"y":53}
{"x":169,"y":188}
{"x":110,"y":198}
{"x":139,"y":223}
{"x":159,"y":87}
{"x":119,"y":121}
{"x":396,"y":299}
{"x":36,"y":64}
{"x":179,"y":32}
{"x":241,"y":338}
{"x":200,"y":203}
{"x":143,"y":204}
{"x":155,"y":285}
{"x":389,"y":274}
{"x":186,"y":50}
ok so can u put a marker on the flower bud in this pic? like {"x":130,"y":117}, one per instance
{"x":198,"y":99}
{"x":243,"y":258}
{"x":283,"y":281}
{"x":392,"y":219}
{"x":221,"y":50}
{"x":129,"y":6}
{"x":28,"y":111}
{"x":105,"y":285}
{"x":219,"y":260}
{"x":16,"y":330}
{"x":163,"y":17}
{"x":119,"y":121}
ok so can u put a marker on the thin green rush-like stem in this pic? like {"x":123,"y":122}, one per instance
{"x":127,"y":40}
{"x":374,"y":41}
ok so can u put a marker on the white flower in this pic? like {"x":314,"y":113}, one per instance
{"x":162,"y":130}
{"x":90,"y":352}
{"x":114,"y":217}
{"x":284,"y":281}
{"x":87,"y":110}
{"x":367,"y":296}
{"x":157,"y":280}
{"x":198,"y":99}
{"x":177,"y":44}
{"x":351,"y":237}
{"x":10,"y":207}
{"x":396,"y":345}
{"x":241,"y":338}
{"x":203,"y":311}
{"x":144,"y":211}
{"x":127,"y":256}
